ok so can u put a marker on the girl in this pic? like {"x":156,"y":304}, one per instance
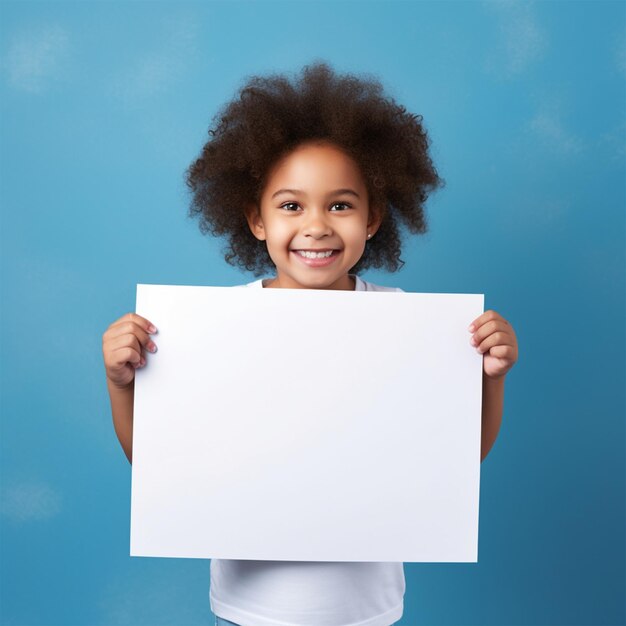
{"x":310,"y":180}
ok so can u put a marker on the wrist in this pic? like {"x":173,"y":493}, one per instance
{"x":493,"y":380}
{"x":122,"y":389}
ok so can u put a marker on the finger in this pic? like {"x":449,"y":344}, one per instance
{"x":488,"y":328}
{"x":112,"y":352}
{"x":503,"y":352}
{"x":487,"y":316}
{"x":144,"y":323}
{"x":129,"y":329}
{"x":120,"y":357}
{"x":123,"y":340}
{"x":496,"y":339}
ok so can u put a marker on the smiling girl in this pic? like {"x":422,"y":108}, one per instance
{"x":314,"y":217}
{"x":310,"y":181}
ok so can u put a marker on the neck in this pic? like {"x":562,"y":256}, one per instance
{"x":274,"y":283}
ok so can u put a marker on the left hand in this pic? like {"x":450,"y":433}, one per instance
{"x":494,"y":337}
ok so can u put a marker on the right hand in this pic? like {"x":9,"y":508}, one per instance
{"x":123,"y":343}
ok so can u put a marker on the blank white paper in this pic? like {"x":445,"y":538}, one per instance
{"x":307,"y":425}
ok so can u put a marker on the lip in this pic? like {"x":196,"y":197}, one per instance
{"x":317,"y":262}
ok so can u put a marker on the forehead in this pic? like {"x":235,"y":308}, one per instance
{"x":317,"y":162}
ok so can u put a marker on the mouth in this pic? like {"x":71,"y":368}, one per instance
{"x":317,"y":258}
{"x":315,"y":249}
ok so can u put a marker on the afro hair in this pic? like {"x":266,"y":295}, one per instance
{"x":271,"y":116}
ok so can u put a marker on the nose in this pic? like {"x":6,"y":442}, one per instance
{"x":317,"y":224}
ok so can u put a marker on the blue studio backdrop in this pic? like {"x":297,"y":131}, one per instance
{"x":105,"y":104}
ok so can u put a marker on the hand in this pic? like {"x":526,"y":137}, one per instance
{"x":122,"y":347}
{"x":496,"y":340}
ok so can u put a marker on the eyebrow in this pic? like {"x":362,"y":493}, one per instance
{"x":332,"y":193}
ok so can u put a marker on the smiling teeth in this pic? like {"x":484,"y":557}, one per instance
{"x":314,"y":255}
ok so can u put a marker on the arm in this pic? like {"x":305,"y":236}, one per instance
{"x":495,"y":339}
{"x":123,"y":345}
{"x":493,"y":403}
{"x":122,"y":410}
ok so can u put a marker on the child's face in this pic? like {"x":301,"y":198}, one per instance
{"x":315,"y":217}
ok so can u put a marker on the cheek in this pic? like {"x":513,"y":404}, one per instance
{"x":356,"y":234}
{"x":278,"y":235}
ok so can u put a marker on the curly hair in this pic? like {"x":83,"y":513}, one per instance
{"x":271,"y":117}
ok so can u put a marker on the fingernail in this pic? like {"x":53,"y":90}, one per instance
{"x":152,"y":347}
{"x":471,"y":328}
{"x":152,"y":328}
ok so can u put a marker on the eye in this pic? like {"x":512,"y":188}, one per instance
{"x":295,"y":204}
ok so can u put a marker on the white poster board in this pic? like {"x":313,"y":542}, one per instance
{"x":307,"y":425}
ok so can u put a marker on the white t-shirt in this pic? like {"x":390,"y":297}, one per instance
{"x":308,"y":593}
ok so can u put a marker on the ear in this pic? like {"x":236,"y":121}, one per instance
{"x":253,"y":217}
{"x":376,"y":216}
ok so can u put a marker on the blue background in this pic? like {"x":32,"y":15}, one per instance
{"x":104,"y":105}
